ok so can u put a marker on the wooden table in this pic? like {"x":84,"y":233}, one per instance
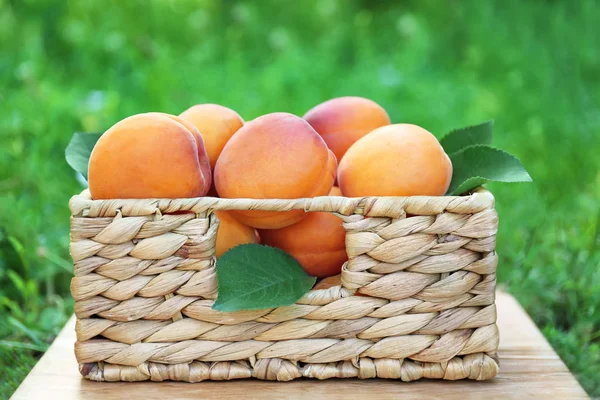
{"x":528,"y":368}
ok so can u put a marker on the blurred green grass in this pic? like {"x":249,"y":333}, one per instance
{"x":534,"y":67}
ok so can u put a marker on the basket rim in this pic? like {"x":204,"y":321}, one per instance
{"x":82,"y":205}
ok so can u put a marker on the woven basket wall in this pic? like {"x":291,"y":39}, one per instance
{"x":416,"y":301}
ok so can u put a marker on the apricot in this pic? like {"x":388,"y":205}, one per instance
{"x":344,"y":120}
{"x":232,"y":233}
{"x":203,"y":157}
{"x":216,"y":123}
{"x":151,"y":155}
{"x":335,"y":191}
{"x":323,"y":284}
{"x":395,"y":160}
{"x":276,"y":156}
{"x":317,"y":242}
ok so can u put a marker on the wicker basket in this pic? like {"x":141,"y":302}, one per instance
{"x":416,"y":301}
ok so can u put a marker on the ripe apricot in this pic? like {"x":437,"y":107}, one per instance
{"x":232,"y":233}
{"x":151,"y":155}
{"x":203,"y":157}
{"x":344,"y":120}
{"x":323,"y":284}
{"x":317,"y":242}
{"x":216,"y":123}
{"x":395,"y":160}
{"x":335,"y":191}
{"x":276,"y":156}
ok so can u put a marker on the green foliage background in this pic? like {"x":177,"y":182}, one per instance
{"x":533,"y":66}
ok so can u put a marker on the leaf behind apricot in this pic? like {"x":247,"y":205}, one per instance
{"x":79,"y":149}
{"x":459,"y":139}
{"x":479,"y":164}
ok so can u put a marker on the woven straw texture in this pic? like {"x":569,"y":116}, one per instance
{"x":416,"y":300}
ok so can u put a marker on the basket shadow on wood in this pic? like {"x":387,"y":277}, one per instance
{"x":416,"y":300}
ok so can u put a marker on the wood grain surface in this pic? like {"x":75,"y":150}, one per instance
{"x":528,"y":368}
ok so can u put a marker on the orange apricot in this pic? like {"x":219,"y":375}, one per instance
{"x":326,"y":283}
{"x":335,"y":191}
{"x":203,"y":157}
{"x":232,"y":233}
{"x":344,"y":120}
{"x":395,"y":160}
{"x":317,"y":242}
{"x":151,"y":155}
{"x":216,"y":123}
{"x":276,"y":156}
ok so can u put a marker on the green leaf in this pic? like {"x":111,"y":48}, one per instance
{"x":253,"y":277}
{"x":13,"y":262}
{"x":458,"y":139}
{"x":79,"y":149}
{"x":476,"y":165}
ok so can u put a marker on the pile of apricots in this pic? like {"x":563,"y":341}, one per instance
{"x":208,"y":150}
